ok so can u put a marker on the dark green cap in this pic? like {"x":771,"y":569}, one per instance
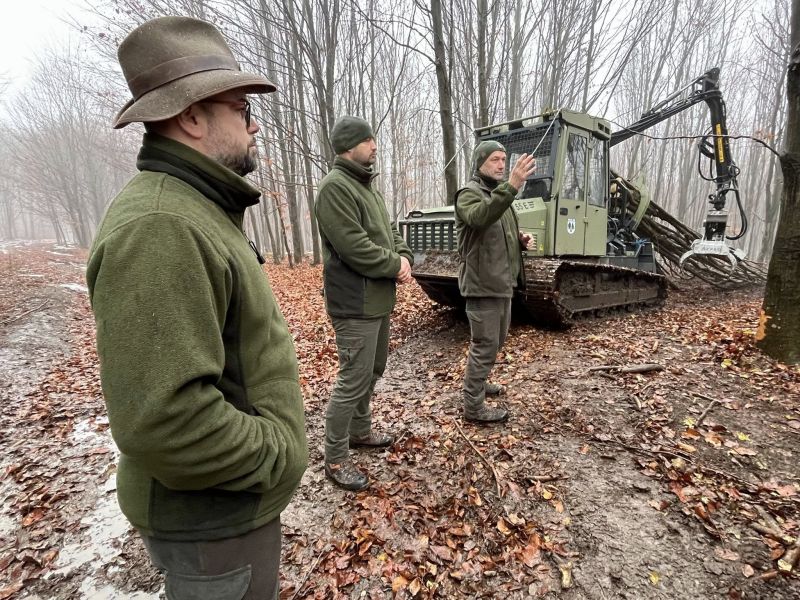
{"x":348,"y":132}
{"x":483,"y":151}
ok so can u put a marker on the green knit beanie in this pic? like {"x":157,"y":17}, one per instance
{"x":348,"y":132}
{"x":483,"y":151}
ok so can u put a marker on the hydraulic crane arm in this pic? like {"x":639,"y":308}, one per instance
{"x":703,"y":89}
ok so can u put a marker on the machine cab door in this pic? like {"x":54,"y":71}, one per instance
{"x":596,"y":221}
{"x":570,"y":229}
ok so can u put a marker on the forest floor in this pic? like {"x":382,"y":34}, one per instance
{"x":681,"y":483}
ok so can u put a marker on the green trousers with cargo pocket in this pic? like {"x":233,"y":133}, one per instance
{"x":363,"y":346}
{"x":489,"y":319}
{"x":244,"y":567}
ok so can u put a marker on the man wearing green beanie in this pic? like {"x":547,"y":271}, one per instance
{"x":489,"y":244}
{"x":364,"y":256}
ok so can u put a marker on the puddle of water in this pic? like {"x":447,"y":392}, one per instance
{"x":107,"y":528}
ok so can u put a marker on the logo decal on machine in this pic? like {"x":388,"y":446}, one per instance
{"x":570,"y":226}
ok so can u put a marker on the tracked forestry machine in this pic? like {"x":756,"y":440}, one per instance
{"x":583,"y":217}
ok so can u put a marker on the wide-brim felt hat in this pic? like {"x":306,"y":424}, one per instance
{"x":172,"y":62}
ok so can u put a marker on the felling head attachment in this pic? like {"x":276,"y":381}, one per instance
{"x":713,"y":242}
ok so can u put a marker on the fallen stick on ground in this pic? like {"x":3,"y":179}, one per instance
{"x":27,"y":312}
{"x":778,"y":536}
{"x":311,"y":570}
{"x":630,"y":368}
{"x":545,"y":478}
{"x":703,"y":414}
{"x":789,"y":560}
{"x":483,"y":458}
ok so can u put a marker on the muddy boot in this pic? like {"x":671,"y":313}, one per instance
{"x":487,"y":414}
{"x":346,"y":475}
{"x":494,"y":389}
{"x":373,"y":439}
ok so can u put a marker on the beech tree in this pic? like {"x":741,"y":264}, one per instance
{"x":779,"y":328}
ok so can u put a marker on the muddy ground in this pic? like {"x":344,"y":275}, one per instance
{"x":675,"y":483}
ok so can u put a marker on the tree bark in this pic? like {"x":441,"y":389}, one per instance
{"x":445,"y":102}
{"x":779,"y":327}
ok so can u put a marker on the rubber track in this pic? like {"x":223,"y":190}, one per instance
{"x":546,"y":302}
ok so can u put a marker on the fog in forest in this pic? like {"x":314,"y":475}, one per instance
{"x":426,"y":74}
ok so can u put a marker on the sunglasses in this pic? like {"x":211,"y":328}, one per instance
{"x":246,"y":110}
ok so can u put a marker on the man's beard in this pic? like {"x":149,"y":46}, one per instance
{"x":241,"y":164}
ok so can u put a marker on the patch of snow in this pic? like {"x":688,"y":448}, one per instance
{"x":8,"y":244}
{"x":7,"y":524}
{"x":59,"y":253}
{"x":75,"y":287}
{"x":89,"y":592}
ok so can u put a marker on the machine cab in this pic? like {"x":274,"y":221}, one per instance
{"x":564,"y":204}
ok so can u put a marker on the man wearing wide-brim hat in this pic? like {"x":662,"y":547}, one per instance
{"x":197,"y":365}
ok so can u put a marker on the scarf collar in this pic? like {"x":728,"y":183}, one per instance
{"x":219,"y":184}
{"x":356,"y":171}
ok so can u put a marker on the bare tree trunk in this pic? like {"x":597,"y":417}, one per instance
{"x":779,"y":329}
{"x":445,"y":101}
{"x":483,"y":77}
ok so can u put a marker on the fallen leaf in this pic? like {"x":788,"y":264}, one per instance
{"x":654,"y":577}
{"x":10,"y":589}
{"x":399,"y":583}
{"x":502,"y":527}
{"x":414,"y":587}
{"x":443,"y":552}
{"x":531,"y":553}
{"x":725,"y":553}
{"x":742,"y":451}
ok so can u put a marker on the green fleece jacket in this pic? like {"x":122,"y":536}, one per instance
{"x":488,"y":239}
{"x":361,"y":250}
{"x":197,"y":365}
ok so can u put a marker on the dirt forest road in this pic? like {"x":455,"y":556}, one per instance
{"x":678,"y":483}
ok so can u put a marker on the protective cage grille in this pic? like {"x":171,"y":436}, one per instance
{"x":525,"y":141}
{"x":423,"y":234}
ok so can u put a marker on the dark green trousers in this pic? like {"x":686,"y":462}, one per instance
{"x":489,"y":319}
{"x":363,"y":346}
{"x":239,"y":568}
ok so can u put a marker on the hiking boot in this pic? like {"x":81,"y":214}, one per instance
{"x":486,"y":414}
{"x":346,"y":475}
{"x":494,"y":389}
{"x":373,"y":439}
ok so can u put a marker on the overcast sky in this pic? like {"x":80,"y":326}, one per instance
{"x":26,"y":26}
